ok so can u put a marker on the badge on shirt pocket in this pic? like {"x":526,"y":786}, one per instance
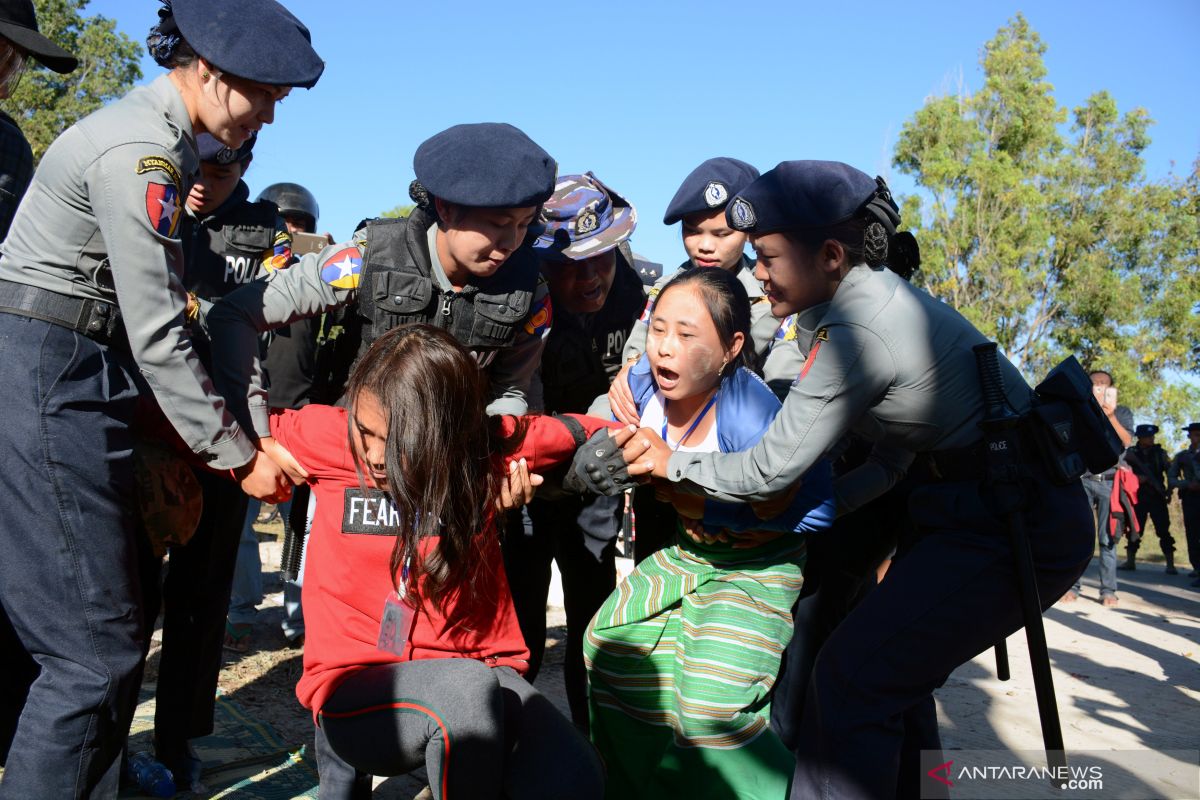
{"x":396,"y":625}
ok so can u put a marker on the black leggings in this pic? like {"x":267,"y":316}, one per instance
{"x":480,"y":733}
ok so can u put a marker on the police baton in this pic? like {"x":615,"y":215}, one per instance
{"x":1005,"y":476}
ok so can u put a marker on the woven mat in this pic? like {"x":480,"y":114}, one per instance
{"x":243,"y":757}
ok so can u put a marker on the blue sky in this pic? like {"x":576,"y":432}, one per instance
{"x":641,"y":92}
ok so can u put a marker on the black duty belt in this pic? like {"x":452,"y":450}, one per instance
{"x":958,"y":464}
{"x":94,"y":319}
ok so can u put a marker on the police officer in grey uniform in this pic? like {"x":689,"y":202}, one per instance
{"x":699,"y":205}
{"x":892,"y":364}
{"x":459,"y":261}
{"x":92,"y":315}
{"x":228,"y":241}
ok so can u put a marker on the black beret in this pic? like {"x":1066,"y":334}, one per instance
{"x":214,"y":151}
{"x":1145,"y":430}
{"x":486,"y":164}
{"x":257,"y":40}
{"x":709,"y":187}
{"x":801,"y":194}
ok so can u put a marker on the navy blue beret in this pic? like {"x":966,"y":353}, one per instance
{"x":257,"y":40}
{"x":214,"y":151}
{"x":709,"y":187}
{"x":802,"y":194}
{"x":486,"y":164}
{"x":1145,"y":430}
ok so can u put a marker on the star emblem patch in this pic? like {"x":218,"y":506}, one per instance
{"x":163,"y":208}
{"x":343,"y":269}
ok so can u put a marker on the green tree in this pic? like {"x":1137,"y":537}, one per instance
{"x":46,"y":103}
{"x":402,"y":210}
{"x":1041,"y":227}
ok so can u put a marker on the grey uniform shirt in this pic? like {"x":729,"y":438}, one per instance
{"x":101,"y":220}
{"x":781,"y":360}
{"x":884,"y":360}
{"x":321,"y":282}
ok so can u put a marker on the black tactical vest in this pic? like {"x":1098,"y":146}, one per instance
{"x":398,"y":288}
{"x":579,"y":363}
{"x":225,"y":249}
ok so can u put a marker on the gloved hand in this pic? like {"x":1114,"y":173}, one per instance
{"x":599,"y":467}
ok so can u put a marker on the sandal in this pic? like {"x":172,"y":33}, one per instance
{"x":237,"y":637}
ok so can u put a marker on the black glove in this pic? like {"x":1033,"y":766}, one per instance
{"x":599,"y":468}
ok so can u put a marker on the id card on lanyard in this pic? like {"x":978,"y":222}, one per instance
{"x":396,"y":624}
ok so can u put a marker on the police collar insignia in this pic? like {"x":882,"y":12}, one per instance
{"x":742,"y":214}
{"x":586,"y":222}
{"x":822,"y":335}
{"x":715,"y":194}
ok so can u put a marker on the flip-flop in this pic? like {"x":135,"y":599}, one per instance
{"x":237,"y":637}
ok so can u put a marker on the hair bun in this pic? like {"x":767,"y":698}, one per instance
{"x":164,"y":37}
{"x":420,"y":195}
{"x":875,"y":244}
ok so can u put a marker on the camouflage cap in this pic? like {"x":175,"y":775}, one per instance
{"x":583,"y":218}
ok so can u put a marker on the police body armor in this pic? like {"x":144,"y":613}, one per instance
{"x":398,"y":288}
{"x":226,"y":249}
{"x":579,"y":363}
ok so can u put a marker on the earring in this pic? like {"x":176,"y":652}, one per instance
{"x":205,"y":74}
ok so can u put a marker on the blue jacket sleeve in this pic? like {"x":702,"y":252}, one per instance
{"x":746,"y":407}
{"x":811,"y":510}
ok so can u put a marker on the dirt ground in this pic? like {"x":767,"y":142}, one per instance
{"x":1126,"y":678}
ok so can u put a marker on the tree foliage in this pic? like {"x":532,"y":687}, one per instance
{"x":46,"y":103}
{"x":402,"y":210}
{"x":1042,"y":228}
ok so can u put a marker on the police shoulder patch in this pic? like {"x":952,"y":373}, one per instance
{"x":742,"y":215}
{"x":541,"y":317}
{"x":160,"y":164}
{"x":281,"y":252}
{"x":164,"y":207}
{"x":343,"y":268}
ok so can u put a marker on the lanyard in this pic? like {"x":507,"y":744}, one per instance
{"x":404,"y":577}
{"x":688,"y":432}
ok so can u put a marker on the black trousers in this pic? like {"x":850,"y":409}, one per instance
{"x":194,"y":596}
{"x":953,"y":595}
{"x":1191,"y":524}
{"x":580,"y":534}
{"x":70,"y":598}
{"x":1152,"y":506}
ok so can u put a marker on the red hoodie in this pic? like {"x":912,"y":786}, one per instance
{"x":346,"y":576}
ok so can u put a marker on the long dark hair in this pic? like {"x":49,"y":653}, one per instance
{"x":444,"y":454}
{"x":727,"y":303}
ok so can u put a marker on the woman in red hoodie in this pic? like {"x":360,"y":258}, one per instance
{"x":414,"y":655}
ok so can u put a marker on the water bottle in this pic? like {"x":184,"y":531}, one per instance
{"x":151,"y":776}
